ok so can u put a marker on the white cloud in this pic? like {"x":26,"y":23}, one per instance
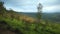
{"x":31,"y":5}
{"x":51,"y":8}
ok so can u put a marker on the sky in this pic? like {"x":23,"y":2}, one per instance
{"x":31,"y":5}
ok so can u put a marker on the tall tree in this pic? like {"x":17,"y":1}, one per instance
{"x":2,"y":8}
{"x":39,"y":13}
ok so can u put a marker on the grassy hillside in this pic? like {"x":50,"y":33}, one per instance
{"x":30,"y":28}
{"x":11,"y":22}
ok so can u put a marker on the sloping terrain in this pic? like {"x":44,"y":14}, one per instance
{"x":4,"y":28}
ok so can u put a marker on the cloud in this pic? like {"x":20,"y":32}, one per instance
{"x":31,"y":5}
{"x":51,"y":8}
{"x":50,"y":2}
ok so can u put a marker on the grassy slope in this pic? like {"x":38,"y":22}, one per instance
{"x":22,"y":27}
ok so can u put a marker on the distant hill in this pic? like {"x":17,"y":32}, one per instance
{"x":46,"y":16}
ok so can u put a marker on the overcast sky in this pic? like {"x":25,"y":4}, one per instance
{"x":31,"y":5}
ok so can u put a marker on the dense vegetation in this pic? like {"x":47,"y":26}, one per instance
{"x":22,"y":24}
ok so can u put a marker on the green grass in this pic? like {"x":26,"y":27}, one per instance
{"x":26,"y":28}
